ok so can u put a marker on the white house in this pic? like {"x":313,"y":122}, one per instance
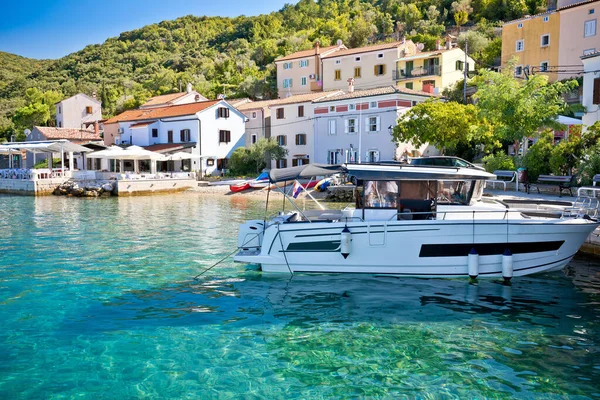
{"x":175,"y":99}
{"x":356,"y":126}
{"x":78,"y":111}
{"x":211,"y":130}
{"x":591,"y":88}
{"x":292,"y":127}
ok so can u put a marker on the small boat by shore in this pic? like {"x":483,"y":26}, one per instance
{"x":417,"y":221}
{"x":240,"y":187}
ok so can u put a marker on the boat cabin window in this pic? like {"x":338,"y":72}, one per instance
{"x":381,"y":194}
{"x":454,"y":192}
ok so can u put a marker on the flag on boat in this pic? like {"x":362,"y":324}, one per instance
{"x":296,"y":189}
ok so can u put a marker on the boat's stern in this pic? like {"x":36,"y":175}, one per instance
{"x":250,"y":238}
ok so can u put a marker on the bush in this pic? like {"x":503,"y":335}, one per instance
{"x":240,"y":163}
{"x":501,"y":160}
{"x":44,"y":164}
{"x":537,"y":159}
{"x":589,"y":165}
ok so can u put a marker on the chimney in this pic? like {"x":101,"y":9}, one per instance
{"x":317,"y":47}
{"x":350,"y":85}
{"x":403,"y":39}
{"x":96,"y":128}
{"x":448,"y":42}
{"x":437,"y":45}
{"x":220,"y":96}
{"x":188,"y":88}
{"x":94,"y":94}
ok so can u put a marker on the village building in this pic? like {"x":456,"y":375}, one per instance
{"x":591,"y":89}
{"x":258,"y":124}
{"x":433,"y":71}
{"x":356,"y":125}
{"x":553,"y":42}
{"x":174,"y":99}
{"x":370,"y":66}
{"x":292,"y":127}
{"x":74,"y":135}
{"x":78,"y":111}
{"x":209,"y":130}
{"x":301,"y":72}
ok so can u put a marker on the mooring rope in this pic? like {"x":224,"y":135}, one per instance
{"x":226,"y":257}
{"x":283,"y":250}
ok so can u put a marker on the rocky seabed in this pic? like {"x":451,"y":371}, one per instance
{"x":86,"y":189}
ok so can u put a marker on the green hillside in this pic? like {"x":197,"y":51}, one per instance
{"x":232,"y":56}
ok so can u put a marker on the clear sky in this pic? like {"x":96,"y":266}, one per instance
{"x":55,"y":28}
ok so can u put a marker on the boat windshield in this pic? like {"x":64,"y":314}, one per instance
{"x":396,"y":194}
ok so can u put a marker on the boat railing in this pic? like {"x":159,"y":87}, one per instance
{"x":436,"y":214}
{"x":583,"y":205}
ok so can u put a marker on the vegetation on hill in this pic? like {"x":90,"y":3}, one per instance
{"x":234,"y":56}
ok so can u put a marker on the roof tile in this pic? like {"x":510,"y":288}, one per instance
{"x":162,"y":112}
{"x":366,"y":49}
{"x":67,"y":133}
{"x":306,"y":53}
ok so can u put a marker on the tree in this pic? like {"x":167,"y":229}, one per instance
{"x":461,"y":9}
{"x":445,"y":125}
{"x":477,"y":41}
{"x":254,"y":159}
{"x":518,"y":109}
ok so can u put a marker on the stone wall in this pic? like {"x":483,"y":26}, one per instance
{"x":30,"y":187}
{"x":142,"y":187}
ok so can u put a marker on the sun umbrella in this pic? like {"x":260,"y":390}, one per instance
{"x":181,"y":155}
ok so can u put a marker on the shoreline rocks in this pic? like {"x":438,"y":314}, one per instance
{"x":86,"y":189}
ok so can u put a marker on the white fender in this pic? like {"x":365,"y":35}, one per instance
{"x":346,"y":242}
{"x":473,"y":263}
{"x":507,"y":265}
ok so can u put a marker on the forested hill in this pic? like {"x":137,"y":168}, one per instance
{"x":231,"y":55}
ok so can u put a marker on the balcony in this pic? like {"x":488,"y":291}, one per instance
{"x":418,"y":72}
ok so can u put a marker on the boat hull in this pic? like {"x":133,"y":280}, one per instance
{"x":428,"y":248}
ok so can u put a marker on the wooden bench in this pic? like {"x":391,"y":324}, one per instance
{"x":593,"y":188}
{"x":503,"y":177}
{"x":562,"y":182}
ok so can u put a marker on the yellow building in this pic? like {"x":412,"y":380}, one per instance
{"x":553,"y":42}
{"x":533,"y":42}
{"x":432,"y":71}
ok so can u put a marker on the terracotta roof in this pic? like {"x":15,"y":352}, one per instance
{"x":591,"y":55}
{"x":581,"y":3}
{"x":253,"y":105}
{"x":163,"y":99}
{"x":374,"y":92}
{"x":365,"y":49}
{"x":306,"y":53}
{"x":302,"y":98}
{"x":236,"y":102}
{"x":167,"y":147}
{"x":141,"y":124}
{"x":530,"y":17}
{"x":162,"y":112}
{"x":67,"y":133}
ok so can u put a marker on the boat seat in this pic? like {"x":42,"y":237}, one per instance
{"x":415,"y":206}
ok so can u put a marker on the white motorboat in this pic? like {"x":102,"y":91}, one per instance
{"x":420,"y":221}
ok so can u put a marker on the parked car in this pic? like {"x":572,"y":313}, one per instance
{"x":444,"y":161}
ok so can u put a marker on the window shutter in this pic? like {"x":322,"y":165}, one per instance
{"x":378,"y":123}
{"x":376,"y":156}
{"x":376,"y":70}
{"x":297,"y":140}
{"x":383,"y":69}
{"x":596,"y":94}
{"x":367,"y":125}
{"x":346,"y":126}
{"x":182,"y":136}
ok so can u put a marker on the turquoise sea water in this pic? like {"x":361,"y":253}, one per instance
{"x":97,"y":301}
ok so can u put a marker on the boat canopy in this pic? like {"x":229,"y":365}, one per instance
{"x":303,"y":171}
{"x":381,"y":172}
{"x":391,"y":172}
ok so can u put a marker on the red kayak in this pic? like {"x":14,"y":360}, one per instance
{"x":310,"y":184}
{"x":240,"y":187}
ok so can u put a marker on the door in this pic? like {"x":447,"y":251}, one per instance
{"x":170,"y":136}
{"x":409,"y":68}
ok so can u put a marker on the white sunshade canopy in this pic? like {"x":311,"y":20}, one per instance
{"x":129,"y":153}
{"x":55,"y":146}
{"x":182,"y":155}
